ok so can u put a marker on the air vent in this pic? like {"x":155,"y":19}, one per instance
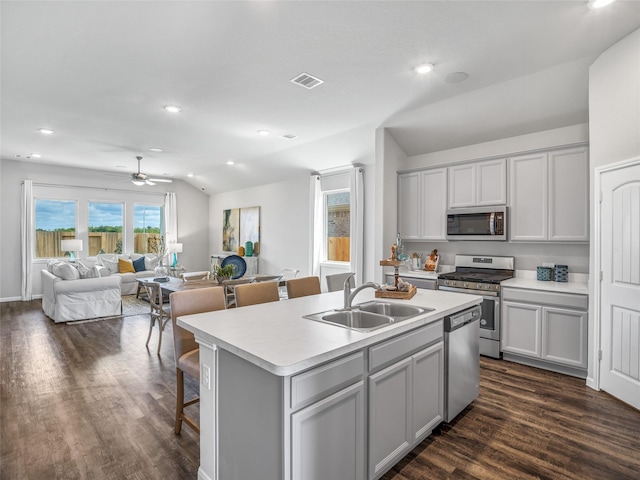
{"x":307,"y":81}
{"x":289,"y":136}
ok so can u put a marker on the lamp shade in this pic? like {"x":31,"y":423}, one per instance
{"x":71,"y":245}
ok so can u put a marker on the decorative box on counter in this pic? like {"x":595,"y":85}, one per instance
{"x":561,"y":273}
{"x":544,"y":274}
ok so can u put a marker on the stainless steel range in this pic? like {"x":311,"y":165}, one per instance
{"x":480,"y":275}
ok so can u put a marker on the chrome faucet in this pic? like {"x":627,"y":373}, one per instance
{"x":349,"y":295}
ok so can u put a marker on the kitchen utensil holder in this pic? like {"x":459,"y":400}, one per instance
{"x":544,"y":274}
{"x":561,"y":273}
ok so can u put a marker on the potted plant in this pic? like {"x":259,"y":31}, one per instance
{"x":224,"y":273}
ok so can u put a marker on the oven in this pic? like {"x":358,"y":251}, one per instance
{"x":481,"y":275}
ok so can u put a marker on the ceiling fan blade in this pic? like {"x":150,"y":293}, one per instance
{"x":161,"y":180}
{"x":149,"y":182}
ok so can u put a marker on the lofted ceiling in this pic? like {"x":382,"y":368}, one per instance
{"x":98,"y":73}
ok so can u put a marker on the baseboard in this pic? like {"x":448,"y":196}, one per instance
{"x":591,"y":383}
{"x":18,"y":299}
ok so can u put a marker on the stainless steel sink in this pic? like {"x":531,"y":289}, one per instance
{"x":369,"y":316}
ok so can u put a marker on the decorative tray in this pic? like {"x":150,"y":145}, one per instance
{"x":396,"y":294}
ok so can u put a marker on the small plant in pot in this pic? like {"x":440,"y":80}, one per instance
{"x":224,"y":273}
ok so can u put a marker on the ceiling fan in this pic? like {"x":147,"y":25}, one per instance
{"x":140,"y":178}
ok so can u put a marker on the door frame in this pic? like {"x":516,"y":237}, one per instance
{"x":594,"y":381}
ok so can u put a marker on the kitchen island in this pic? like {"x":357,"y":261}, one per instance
{"x":284,"y":397}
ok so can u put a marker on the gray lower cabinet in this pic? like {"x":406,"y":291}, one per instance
{"x":545,"y":329}
{"x":406,"y":401}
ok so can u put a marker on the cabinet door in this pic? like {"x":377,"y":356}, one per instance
{"x":462,"y":185}
{"x":428,"y":389}
{"x":491,"y":182}
{"x":569,"y":195}
{"x":328,"y":437}
{"x":521,"y":328}
{"x":433,"y":204}
{"x":390,"y":426}
{"x":408,"y":205}
{"x":528,"y":198}
{"x":564,"y":336}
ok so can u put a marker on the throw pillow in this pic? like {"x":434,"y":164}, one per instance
{"x":66,"y":271}
{"x":83,"y":269}
{"x":101,"y":271}
{"x":111,"y":265}
{"x":125,"y":266}
{"x":138,"y":265}
{"x":151,"y":261}
{"x":52,"y":263}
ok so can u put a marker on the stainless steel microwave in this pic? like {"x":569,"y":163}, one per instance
{"x":479,"y":223}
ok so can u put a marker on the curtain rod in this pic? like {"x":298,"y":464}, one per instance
{"x":155,"y":194}
{"x":337,"y":170}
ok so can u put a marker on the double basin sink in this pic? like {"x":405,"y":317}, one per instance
{"x":369,"y":316}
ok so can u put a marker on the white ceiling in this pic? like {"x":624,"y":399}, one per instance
{"x":99,"y":73}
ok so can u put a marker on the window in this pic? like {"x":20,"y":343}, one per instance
{"x":105,"y":228}
{"x":337,"y":225}
{"x":55,"y":221}
{"x":147,"y":221}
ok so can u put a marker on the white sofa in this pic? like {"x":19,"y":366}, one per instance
{"x":81,"y":299}
{"x":129,"y":280}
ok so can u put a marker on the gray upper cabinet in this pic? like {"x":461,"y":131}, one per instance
{"x":422,"y":204}
{"x":478,"y":183}
{"x":548,"y":196}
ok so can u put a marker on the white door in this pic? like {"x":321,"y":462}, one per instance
{"x":620,"y":287}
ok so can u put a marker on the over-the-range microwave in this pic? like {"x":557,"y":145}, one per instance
{"x":478,"y":223}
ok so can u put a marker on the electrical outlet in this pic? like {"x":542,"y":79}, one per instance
{"x":206,"y":376}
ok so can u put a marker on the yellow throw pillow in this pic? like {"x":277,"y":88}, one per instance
{"x":125,"y":266}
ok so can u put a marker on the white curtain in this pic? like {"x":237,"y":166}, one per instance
{"x":316,"y":233}
{"x":356,"y":253}
{"x":26,"y":238}
{"x":170,"y":218}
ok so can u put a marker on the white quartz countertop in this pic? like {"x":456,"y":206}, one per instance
{"x":533,"y":284}
{"x":275,"y":337}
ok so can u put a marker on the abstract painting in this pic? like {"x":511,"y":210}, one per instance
{"x":230,"y":229}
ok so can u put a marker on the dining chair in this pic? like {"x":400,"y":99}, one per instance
{"x":255,"y":293}
{"x":335,"y":282}
{"x":301,"y":287}
{"x":185,"y":347}
{"x":160,"y":312}
{"x":195,"y":276}
{"x":230,"y":289}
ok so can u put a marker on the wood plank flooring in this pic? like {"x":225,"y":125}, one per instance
{"x":89,"y":401}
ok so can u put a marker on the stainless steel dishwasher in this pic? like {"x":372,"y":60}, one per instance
{"x":462,"y":360}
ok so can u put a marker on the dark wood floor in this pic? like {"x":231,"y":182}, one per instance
{"x":89,"y":401}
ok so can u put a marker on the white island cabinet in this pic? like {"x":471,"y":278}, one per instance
{"x":283,"y":397}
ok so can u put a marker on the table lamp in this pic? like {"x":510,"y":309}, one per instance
{"x":175,"y":248}
{"x":72,"y":246}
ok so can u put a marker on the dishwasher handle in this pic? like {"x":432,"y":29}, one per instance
{"x":460,"y":319}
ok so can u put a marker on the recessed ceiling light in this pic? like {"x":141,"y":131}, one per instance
{"x":172,"y":108}
{"x":230,"y":162}
{"x":598,"y":3}
{"x":456,"y":77}
{"x":424,"y":68}
{"x":36,"y":155}
{"x":189,"y":175}
{"x":289,"y":136}
{"x":264,"y":133}
{"x":155,"y":149}
{"x":45,"y":131}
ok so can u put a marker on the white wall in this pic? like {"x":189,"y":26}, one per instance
{"x":614,"y":129}
{"x":193,"y":212}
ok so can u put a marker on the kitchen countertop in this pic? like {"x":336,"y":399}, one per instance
{"x":578,"y":284}
{"x":275,"y":337}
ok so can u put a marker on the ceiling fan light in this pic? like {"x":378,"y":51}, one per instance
{"x":137,"y":182}
{"x":598,"y":3}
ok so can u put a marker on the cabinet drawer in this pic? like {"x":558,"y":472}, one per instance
{"x":538,"y":297}
{"x":388,"y":352}
{"x":320,"y":382}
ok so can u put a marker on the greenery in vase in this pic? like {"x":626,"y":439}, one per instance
{"x":224,"y":272}
{"x":158,"y":246}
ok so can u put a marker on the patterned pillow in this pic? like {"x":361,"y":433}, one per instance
{"x":52,"y":263}
{"x":138,"y":265}
{"x":66,"y":271}
{"x":111,"y":265}
{"x":151,"y":261}
{"x":101,"y":271}
{"x":125,"y":266}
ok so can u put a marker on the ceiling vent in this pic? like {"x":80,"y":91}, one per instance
{"x":307,"y":81}
{"x":289,"y":136}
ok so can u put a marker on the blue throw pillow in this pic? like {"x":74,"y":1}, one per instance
{"x":138,"y":265}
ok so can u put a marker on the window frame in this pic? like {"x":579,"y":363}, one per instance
{"x":325,"y":230}
{"x":34,"y":246}
{"x":123,"y":204}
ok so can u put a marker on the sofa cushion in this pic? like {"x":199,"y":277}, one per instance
{"x":66,"y":271}
{"x":125,"y":266}
{"x":139,"y":265}
{"x":86,"y":271}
